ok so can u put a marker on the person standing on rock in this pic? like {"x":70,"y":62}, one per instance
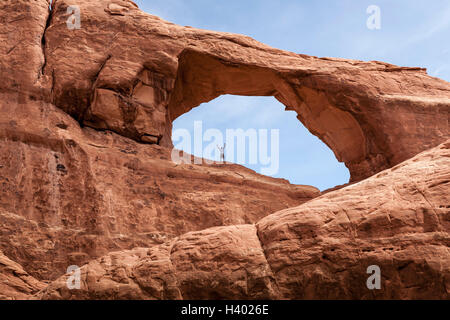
{"x":222,"y":152}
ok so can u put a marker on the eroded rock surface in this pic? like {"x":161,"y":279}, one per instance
{"x":22,"y":44}
{"x":398,"y":220}
{"x":134,"y":73}
{"x":85,"y":165}
{"x":15,"y":283}
{"x":69,"y":195}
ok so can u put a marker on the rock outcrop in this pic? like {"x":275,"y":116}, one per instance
{"x":398,"y":220}
{"x":69,"y":195}
{"x":22,"y":42}
{"x":135,"y":73}
{"x":86,"y":174}
{"x":15,"y":283}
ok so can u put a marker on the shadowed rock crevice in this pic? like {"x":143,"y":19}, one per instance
{"x":43,"y":41}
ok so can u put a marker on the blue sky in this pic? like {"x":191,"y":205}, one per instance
{"x":413,"y":33}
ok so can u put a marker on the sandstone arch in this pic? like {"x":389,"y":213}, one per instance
{"x":128,"y":75}
{"x":352,"y":119}
{"x":203,"y":77}
{"x":77,"y":182}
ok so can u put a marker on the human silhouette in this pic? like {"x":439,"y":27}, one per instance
{"x":222,"y":152}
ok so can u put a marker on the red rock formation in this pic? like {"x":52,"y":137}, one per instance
{"x":22,"y":45}
{"x":15,"y":283}
{"x":135,"y":73}
{"x":69,"y":195}
{"x":85,"y":169}
{"x":398,"y":220}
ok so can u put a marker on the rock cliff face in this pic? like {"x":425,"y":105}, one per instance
{"x":398,"y":220}
{"x":15,"y":283}
{"x":86,"y":174}
{"x":69,"y":195}
{"x":133,"y":73}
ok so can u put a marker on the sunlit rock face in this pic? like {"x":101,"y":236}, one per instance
{"x":398,"y":220}
{"x":69,"y":195}
{"x":86,"y":173}
{"x":134,"y":73}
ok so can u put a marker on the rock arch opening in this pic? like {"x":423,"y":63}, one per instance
{"x":299,"y":157}
{"x":203,"y":77}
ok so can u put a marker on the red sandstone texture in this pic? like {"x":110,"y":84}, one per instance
{"x":86,"y":176}
{"x":16,"y":283}
{"x":398,"y":220}
{"x":69,"y":195}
